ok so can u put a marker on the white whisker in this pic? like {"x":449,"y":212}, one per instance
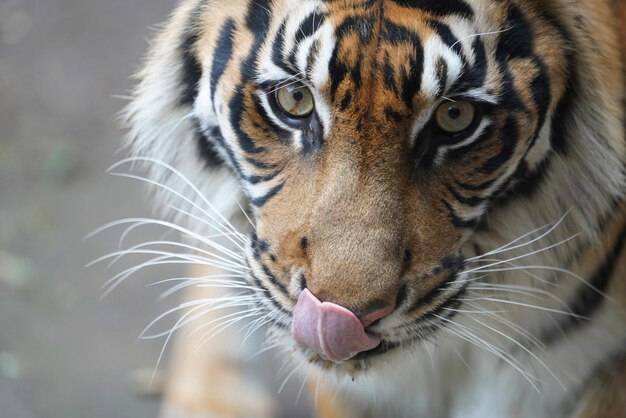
{"x":237,"y":314}
{"x":202,"y":282}
{"x":183,"y":178}
{"x":481,"y":34}
{"x":170,"y":333}
{"x":526,"y":305}
{"x":507,"y":247}
{"x":222,"y":327}
{"x":263,"y":350}
{"x":289,"y":376}
{"x":246,"y":215}
{"x":524,"y":290}
{"x":523,"y":347}
{"x":560,"y":270}
{"x":115,"y":281}
{"x":208,"y":305}
{"x":549,"y":247}
{"x":145,"y":221}
{"x":464,"y":333}
{"x":228,"y":234}
{"x":227,"y":226}
{"x":521,"y":331}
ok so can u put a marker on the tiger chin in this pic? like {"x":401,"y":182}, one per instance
{"x":435,"y":191}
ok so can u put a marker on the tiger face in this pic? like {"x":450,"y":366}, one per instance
{"x":371,"y":139}
{"x":418,"y":174}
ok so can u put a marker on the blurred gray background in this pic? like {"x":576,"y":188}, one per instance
{"x":63,"y":351}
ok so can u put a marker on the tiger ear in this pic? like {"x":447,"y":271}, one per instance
{"x":164,"y":134}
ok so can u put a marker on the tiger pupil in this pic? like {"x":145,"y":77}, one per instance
{"x":298,"y":95}
{"x":454,"y":112}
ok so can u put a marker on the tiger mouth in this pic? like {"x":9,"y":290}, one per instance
{"x":384,"y":347}
{"x":358,"y":360}
{"x":425,"y":328}
{"x":430,"y":312}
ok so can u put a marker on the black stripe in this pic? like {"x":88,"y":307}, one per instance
{"x":466,"y":150}
{"x":392,"y":115}
{"x":442,"y":76}
{"x":261,"y":164}
{"x":262,"y":179}
{"x":338,"y":71}
{"x":432,"y":322}
{"x":466,"y":200}
{"x":258,"y":23}
{"x":214,"y":136}
{"x":540,"y":91}
{"x":267,"y":294}
{"x":260,"y":201}
{"x":309,"y":26}
{"x":221,"y":55}
{"x":345,"y":102}
{"x":508,"y":140}
{"x":476,"y":187}
{"x":389,"y":74}
{"x":274,"y":280}
{"x":456,"y":220}
{"x":448,"y":305}
{"x":561,"y":119}
{"x":516,"y":40}
{"x":206,"y":145}
{"x":508,"y":98}
{"x":278,"y":49}
{"x":432,"y":295}
{"x":312,"y":59}
{"x":362,"y":26}
{"x":447,"y":37}
{"x":411,"y":80}
{"x":473,"y":77}
{"x":526,"y":182}
{"x":439,"y":8}
{"x":191,"y":70}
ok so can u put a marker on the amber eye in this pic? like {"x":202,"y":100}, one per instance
{"x":295,"y":100}
{"x":455,"y":117}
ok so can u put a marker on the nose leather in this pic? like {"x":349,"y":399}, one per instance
{"x":329,"y":329}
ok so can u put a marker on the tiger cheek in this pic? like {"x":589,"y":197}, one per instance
{"x":434,"y":236}
{"x":284,"y":220}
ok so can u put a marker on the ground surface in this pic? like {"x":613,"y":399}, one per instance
{"x":63,"y":352}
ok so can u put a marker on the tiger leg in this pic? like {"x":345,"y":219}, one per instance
{"x":205,"y":379}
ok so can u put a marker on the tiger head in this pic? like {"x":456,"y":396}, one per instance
{"x":372,"y":141}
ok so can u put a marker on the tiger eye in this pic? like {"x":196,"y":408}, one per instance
{"x":296,"y":100}
{"x":455,"y":117}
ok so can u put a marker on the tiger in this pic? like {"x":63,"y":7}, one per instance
{"x":435,"y":191}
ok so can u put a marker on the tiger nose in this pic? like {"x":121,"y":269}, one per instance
{"x":332,"y":330}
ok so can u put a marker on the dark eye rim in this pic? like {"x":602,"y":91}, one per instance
{"x":481,"y":109}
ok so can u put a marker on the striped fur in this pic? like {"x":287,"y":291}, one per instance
{"x":367,"y":205}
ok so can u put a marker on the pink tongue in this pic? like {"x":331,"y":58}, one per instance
{"x":329,"y":329}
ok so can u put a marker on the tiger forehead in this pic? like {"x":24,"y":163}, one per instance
{"x":369,"y":55}
{"x":378,"y":53}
